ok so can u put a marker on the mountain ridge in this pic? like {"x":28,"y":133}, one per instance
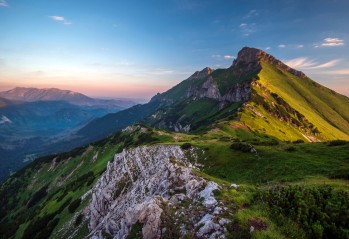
{"x":212,"y":94}
{"x":54,"y":94}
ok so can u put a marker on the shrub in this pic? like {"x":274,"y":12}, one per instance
{"x":298,"y":141}
{"x":243,"y":147}
{"x":78,"y":220}
{"x":321,"y":211}
{"x":186,"y":146}
{"x":40,"y":227}
{"x":337,"y":142}
{"x":290,"y":149}
{"x":74,"y":205}
{"x":37,"y":196}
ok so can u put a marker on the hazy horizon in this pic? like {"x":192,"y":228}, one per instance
{"x":138,"y":49}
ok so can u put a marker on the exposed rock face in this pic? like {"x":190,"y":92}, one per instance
{"x":138,"y":183}
{"x":209,"y":89}
{"x":249,"y":59}
{"x":144,"y":183}
{"x":201,"y":74}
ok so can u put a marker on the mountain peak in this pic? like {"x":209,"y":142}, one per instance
{"x":201,"y":74}
{"x":250,"y":58}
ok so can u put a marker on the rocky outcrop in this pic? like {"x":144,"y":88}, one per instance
{"x":209,"y":89}
{"x":201,"y":74}
{"x":248,"y":61}
{"x":139,"y":183}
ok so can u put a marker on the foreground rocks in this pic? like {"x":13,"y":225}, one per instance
{"x":155,"y":187}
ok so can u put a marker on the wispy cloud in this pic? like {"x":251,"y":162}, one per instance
{"x":306,"y":63}
{"x":247,"y":28}
{"x":251,"y":14}
{"x":300,"y":46}
{"x":327,"y":64}
{"x":282,"y":46}
{"x":330,"y":42}
{"x":229,"y":57}
{"x":268,"y":48}
{"x":3,"y":3}
{"x":60,"y":19}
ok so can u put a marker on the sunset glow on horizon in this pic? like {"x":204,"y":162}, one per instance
{"x":139,"y":48}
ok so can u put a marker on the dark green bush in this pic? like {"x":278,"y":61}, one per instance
{"x":186,"y":146}
{"x":298,"y":141}
{"x":74,"y":205}
{"x":321,"y":211}
{"x":37,"y":196}
{"x":78,"y":220}
{"x":337,"y":142}
{"x":290,"y":149}
{"x":38,"y":228}
{"x":243,"y":147}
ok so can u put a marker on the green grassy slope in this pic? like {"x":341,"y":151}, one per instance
{"x":323,"y":111}
{"x":326,"y":109}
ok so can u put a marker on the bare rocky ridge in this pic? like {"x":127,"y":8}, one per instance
{"x":143,"y":185}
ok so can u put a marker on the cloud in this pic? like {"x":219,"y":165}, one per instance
{"x":268,"y":48}
{"x":251,"y":14}
{"x":306,"y":63}
{"x":330,"y":42}
{"x":247,"y":28}
{"x":60,"y":19}
{"x":229,"y":57}
{"x":327,"y":64}
{"x":3,"y":3}
{"x":282,"y":46}
{"x":300,"y":46}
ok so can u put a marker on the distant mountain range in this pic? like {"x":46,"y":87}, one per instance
{"x":32,"y":120}
{"x":54,"y":94}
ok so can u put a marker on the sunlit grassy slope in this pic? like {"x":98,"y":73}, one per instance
{"x":323,"y":108}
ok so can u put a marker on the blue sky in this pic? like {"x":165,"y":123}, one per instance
{"x":137,"y":48}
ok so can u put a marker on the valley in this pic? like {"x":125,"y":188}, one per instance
{"x":33,"y":121}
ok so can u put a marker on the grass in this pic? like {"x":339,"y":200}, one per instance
{"x":320,"y":105}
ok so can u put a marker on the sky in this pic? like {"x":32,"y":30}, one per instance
{"x":134,"y":49}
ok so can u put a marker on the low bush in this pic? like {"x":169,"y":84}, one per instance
{"x":78,"y":220}
{"x":337,"y":142}
{"x":321,"y":211}
{"x":186,"y":146}
{"x":74,"y":205}
{"x":298,"y":141}
{"x":243,"y":147}
{"x":37,"y":196}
